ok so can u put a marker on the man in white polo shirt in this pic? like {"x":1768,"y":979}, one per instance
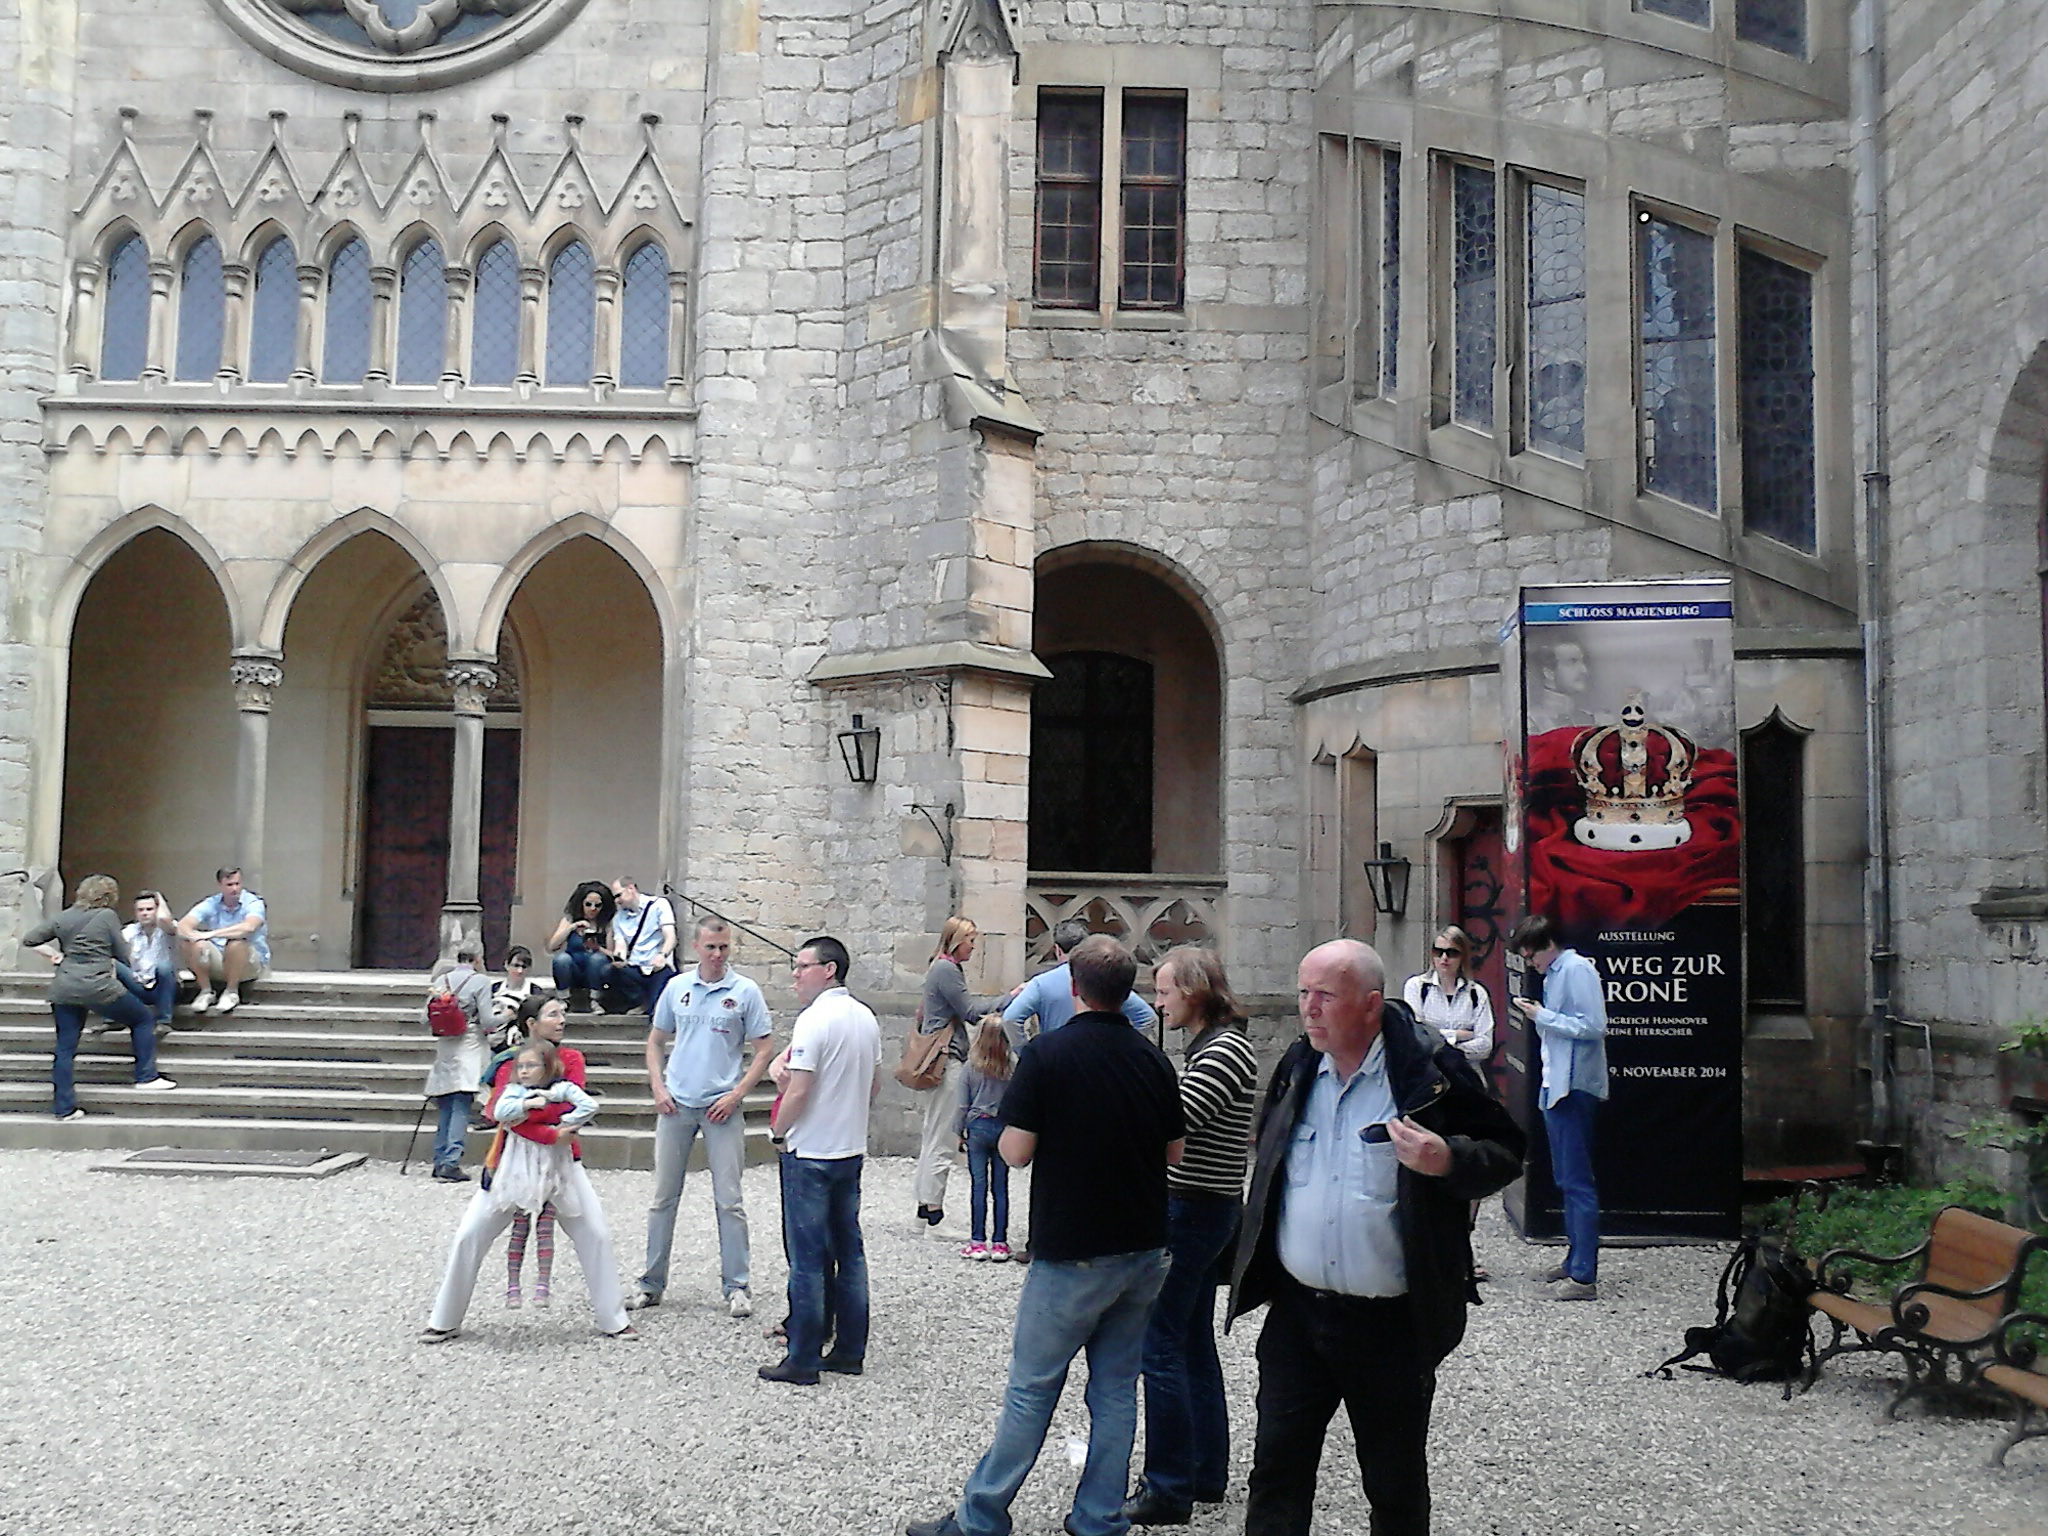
{"x":710,"y":1014}
{"x":833,"y":1072}
{"x":643,"y":947}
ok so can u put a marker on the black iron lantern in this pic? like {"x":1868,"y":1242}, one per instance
{"x":861,"y":747}
{"x":1387,"y":876}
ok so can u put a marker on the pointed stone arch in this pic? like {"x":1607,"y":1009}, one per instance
{"x":578,"y":525}
{"x":109,"y":541}
{"x":277,"y":607}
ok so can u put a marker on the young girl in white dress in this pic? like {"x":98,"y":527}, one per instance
{"x":524,"y":1175}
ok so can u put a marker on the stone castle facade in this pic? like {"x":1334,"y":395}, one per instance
{"x":1139,"y":413}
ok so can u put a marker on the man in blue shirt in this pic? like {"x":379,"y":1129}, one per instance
{"x":227,"y":942}
{"x":711,"y":1014}
{"x":1571,"y":1023}
{"x":1050,"y":994}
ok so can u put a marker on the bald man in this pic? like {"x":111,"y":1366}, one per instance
{"x":1374,"y":1137}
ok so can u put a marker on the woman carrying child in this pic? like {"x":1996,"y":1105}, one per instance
{"x":979,"y":1125}
{"x":549,"y":1175}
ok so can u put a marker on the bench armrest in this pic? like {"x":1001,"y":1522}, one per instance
{"x":1829,"y":1278}
{"x":1910,"y":1313}
{"x":2009,"y":1347}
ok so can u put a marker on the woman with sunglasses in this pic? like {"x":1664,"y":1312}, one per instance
{"x":1448,"y":997}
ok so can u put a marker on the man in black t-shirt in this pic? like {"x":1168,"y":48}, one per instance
{"x":1094,"y":1109}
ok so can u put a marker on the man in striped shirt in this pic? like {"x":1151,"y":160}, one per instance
{"x":1187,"y":1424}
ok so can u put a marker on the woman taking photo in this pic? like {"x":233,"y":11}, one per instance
{"x":88,"y":935}
{"x":578,"y":941}
{"x":946,"y":1006}
{"x":1447,"y":998}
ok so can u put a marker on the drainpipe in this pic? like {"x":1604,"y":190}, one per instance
{"x":1866,"y":97}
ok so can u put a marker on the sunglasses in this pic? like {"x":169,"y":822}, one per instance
{"x":1445,"y":953}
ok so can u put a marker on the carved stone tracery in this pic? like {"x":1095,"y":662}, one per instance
{"x":415,"y":672}
{"x":430,"y":21}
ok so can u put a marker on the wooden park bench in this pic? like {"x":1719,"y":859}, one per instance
{"x":2015,"y":1371}
{"x":1941,"y":1322}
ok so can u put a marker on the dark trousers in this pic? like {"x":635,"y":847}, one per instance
{"x":821,"y":1201}
{"x":1316,"y":1351}
{"x":126,"y":1011}
{"x":1187,"y":1422}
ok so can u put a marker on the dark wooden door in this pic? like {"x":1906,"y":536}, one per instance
{"x":406,"y":798}
{"x":1481,"y":913}
{"x":499,"y":875}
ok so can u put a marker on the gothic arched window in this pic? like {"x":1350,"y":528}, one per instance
{"x":494,"y":316}
{"x":572,"y":315}
{"x":422,"y":314}
{"x":643,"y":320}
{"x":274,"y":314}
{"x":124,"y":332}
{"x":202,"y":301}
{"x":347,"y":355}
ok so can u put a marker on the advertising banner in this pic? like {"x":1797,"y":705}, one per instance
{"x":1623,"y":824}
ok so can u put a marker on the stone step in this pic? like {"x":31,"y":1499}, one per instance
{"x":413,"y":1052}
{"x":134,"y":1124}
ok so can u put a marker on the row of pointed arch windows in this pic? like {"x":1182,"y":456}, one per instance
{"x":525,"y":325}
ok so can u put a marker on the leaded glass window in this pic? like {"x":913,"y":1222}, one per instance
{"x":202,"y":300}
{"x":124,"y":329}
{"x":1066,"y":271}
{"x":347,"y":355}
{"x":572,"y":315}
{"x":1154,"y":189}
{"x":643,"y":320}
{"x":494,"y":317}
{"x":422,"y":314}
{"x":1779,"y":24}
{"x":1091,"y":764}
{"x":274,"y":314}
{"x":1390,"y":269}
{"x":1679,"y":412}
{"x":1556,"y":242}
{"x":1473,"y":251}
{"x":1699,"y":12}
{"x":1776,"y":300}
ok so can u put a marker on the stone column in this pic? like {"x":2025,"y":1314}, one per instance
{"x":678,"y":328}
{"x":234,"y":325}
{"x":460,"y":280}
{"x":256,"y":677}
{"x":156,"y":362}
{"x":533,"y":283}
{"x":85,"y":319}
{"x":462,"y":913}
{"x":604,"y":352}
{"x":383,"y":293}
{"x":310,"y":280}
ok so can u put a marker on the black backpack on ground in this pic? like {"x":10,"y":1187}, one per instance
{"x":1760,"y":1328}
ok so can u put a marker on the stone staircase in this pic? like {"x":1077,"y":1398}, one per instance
{"x":311,"y":1060}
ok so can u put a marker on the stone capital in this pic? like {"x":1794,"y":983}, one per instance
{"x":471,"y":682}
{"x":255,"y":679}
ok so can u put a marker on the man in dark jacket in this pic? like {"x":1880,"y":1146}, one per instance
{"x":1374,"y":1137}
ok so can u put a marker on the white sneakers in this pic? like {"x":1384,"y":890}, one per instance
{"x":230,"y":1000}
{"x":76,"y":1114}
{"x":203,"y":1001}
{"x":739,"y":1304}
{"x":156,"y":1085}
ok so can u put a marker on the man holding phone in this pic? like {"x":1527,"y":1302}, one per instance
{"x":1375,"y":1135}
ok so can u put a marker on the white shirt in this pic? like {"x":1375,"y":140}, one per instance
{"x":646,"y":953}
{"x":838,"y":1041}
{"x":150,"y":953}
{"x":1468,"y":1008}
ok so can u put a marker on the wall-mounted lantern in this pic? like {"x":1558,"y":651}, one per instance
{"x":861,"y":747}
{"x":1387,"y":876}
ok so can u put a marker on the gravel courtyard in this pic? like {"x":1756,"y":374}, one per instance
{"x":237,"y":1356}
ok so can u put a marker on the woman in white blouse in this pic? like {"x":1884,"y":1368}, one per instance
{"x":1447,"y":996}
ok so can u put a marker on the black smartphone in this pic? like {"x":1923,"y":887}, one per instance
{"x":1376,"y":1132}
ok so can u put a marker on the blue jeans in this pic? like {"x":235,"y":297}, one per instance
{"x":581,"y":968}
{"x":1187,"y":1422}
{"x":640,"y":988}
{"x":822,"y":1213}
{"x":124,"y":1010}
{"x":1569,"y":1124}
{"x":990,"y":1177}
{"x":1097,"y":1305}
{"x":159,"y":997}
{"x":451,"y":1120}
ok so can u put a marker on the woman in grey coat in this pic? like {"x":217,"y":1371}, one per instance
{"x":946,"y":1002}
{"x":89,"y":935}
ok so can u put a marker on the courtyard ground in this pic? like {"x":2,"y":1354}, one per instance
{"x":236,"y":1356}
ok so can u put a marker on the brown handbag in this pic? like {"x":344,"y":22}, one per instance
{"x":923,"y":1066}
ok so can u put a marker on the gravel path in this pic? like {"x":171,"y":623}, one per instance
{"x":232,"y":1356}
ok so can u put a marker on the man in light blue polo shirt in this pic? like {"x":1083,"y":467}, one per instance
{"x":1050,"y":994}
{"x":227,"y":941}
{"x":710,"y":1014}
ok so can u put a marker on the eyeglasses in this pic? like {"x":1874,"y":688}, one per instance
{"x":1450,"y":954}
{"x":810,"y":965}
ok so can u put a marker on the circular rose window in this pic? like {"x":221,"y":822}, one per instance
{"x":396,"y":45}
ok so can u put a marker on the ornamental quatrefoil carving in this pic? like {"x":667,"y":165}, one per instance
{"x":406,"y":26}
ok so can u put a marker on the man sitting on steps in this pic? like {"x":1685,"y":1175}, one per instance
{"x":227,"y":942}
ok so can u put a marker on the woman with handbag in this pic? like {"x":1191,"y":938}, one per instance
{"x":947,"y":1011}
